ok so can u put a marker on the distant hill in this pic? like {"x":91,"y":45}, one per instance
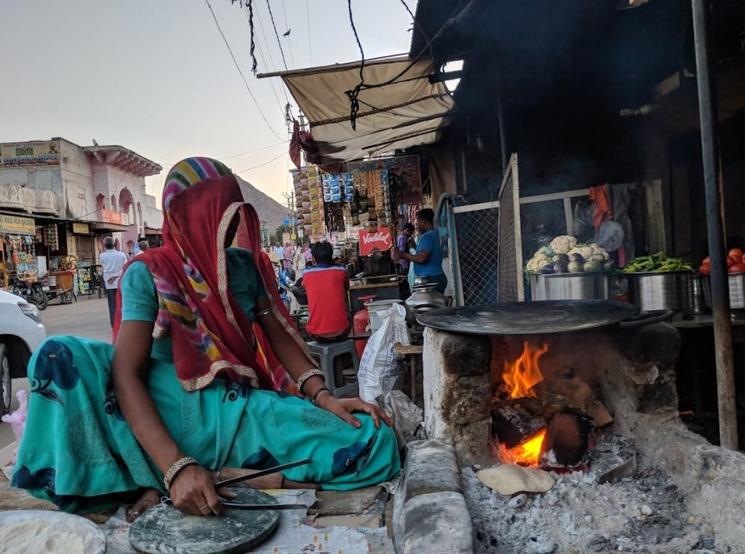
{"x":269,"y":210}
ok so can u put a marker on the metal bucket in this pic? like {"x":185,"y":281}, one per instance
{"x":570,"y":286}
{"x":377,"y":310}
{"x":654,"y":292}
{"x":736,"y":291}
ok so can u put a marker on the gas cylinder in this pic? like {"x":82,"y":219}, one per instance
{"x":361,"y":324}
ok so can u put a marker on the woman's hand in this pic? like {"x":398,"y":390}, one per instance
{"x":193,"y":491}
{"x":344,"y":407}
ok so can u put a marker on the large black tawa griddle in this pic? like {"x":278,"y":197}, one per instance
{"x":530,"y":318}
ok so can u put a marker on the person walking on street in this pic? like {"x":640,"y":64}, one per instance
{"x":144,"y":245}
{"x":428,"y":258}
{"x":112,"y":262}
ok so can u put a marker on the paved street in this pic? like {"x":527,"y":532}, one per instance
{"x":86,"y":318}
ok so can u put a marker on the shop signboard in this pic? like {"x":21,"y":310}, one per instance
{"x":81,"y":229}
{"x":40,"y":152}
{"x":14,"y":225}
{"x":110,"y":216}
{"x":377,"y":240}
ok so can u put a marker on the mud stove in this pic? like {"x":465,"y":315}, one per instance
{"x":585,"y":391}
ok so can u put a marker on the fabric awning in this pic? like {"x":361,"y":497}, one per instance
{"x":407,"y":112}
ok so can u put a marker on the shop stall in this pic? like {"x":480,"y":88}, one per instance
{"x":18,"y":249}
{"x":359,"y":209}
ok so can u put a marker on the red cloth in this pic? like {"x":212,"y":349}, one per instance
{"x":211,"y":335}
{"x":602,"y":206}
{"x":326,"y":288}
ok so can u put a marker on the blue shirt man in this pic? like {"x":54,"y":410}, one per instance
{"x":428,"y":258}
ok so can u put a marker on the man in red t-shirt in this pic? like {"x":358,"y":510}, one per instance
{"x":326,"y":286}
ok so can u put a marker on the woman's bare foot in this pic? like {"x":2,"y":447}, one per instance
{"x":149,"y":498}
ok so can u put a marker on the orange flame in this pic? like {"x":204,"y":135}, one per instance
{"x":526,"y":454}
{"x":524,"y":373}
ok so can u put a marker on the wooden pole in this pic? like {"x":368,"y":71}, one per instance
{"x":719,"y":280}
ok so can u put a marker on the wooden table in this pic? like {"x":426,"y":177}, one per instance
{"x":413,"y":352}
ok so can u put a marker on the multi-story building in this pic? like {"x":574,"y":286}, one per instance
{"x":69,"y":197}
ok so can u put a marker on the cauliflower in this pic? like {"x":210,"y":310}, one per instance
{"x":583,"y":250}
{"x":537,"y":262}
{"x":563,"y":244}
{"x":599,"y":251}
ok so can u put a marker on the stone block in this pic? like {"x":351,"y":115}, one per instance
{"x":437,"y":523}
{"x":431,"y":466}
{"x":466,"y":354}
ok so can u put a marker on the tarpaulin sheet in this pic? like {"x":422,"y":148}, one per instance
{"x":407,"y":112}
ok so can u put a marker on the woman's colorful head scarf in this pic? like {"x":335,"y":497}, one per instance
{"x":211,"y":335}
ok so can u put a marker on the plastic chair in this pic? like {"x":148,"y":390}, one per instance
{"x":326,"y":354}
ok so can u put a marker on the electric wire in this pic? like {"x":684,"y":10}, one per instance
{"x":264,"y":64}
{"x":261,"y":164}
{"x":354,"y":93}
{"x":240,"y":71}
{"x":289,"y":37}
{"x":307,"y":20}
{"x":276,"y":33}
{"x":237,"y":155}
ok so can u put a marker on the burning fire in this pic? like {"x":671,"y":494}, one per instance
{"x":526,"y":454}
{"x":524,"y":373}
{"x":520,"y":376}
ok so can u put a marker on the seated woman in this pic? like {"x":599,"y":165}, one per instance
{"x":205,"y":374}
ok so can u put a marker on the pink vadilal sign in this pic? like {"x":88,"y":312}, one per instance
{"x":378,"y":240}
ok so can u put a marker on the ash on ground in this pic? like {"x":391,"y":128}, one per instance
{"x":613,"y":507}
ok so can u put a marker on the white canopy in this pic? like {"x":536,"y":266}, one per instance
{"x":407,"y":112}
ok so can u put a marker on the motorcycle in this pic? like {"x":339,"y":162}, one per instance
{"x":31,"y":292}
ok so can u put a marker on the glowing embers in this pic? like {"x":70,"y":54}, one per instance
{"x":527,"y":453}
{"x":542,"y":416}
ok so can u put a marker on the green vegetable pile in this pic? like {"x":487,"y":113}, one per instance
{"x":657,"y":263}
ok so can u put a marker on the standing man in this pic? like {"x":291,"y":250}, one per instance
{"x":112,"y":262}
{"x":403,"y":242}
{"x":428,"y":258}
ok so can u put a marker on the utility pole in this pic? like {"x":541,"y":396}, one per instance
{"x":290,"y":198}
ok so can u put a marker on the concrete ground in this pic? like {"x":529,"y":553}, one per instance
{"x":85,"y":318}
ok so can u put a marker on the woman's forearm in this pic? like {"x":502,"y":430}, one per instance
{"x":130,"y":369}
{"x":288,"y":351}
{"x":147,"y":426}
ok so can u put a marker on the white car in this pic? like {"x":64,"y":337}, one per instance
{"x":21,"y":333}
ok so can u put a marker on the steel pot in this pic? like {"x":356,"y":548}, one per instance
{"x":736,"y":291}
{"x":654,"y":292}
{"x":593,"y":285}
{"x":425,"y":297}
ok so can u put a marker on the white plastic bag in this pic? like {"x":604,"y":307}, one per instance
{"x":378,"y":368}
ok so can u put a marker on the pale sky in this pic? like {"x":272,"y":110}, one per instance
{"x":155,"y":76}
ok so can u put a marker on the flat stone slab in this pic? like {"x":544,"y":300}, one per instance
{"x":437,"y":522}
{"x":431,"y":466}
{"x":164,"y":529}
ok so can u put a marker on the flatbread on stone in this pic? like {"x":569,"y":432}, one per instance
{"x":509,"y":479}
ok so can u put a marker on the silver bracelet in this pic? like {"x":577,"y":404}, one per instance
{"x":307,"y":375}
{"x":264,"y":312}
{"x":175,"y":468}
